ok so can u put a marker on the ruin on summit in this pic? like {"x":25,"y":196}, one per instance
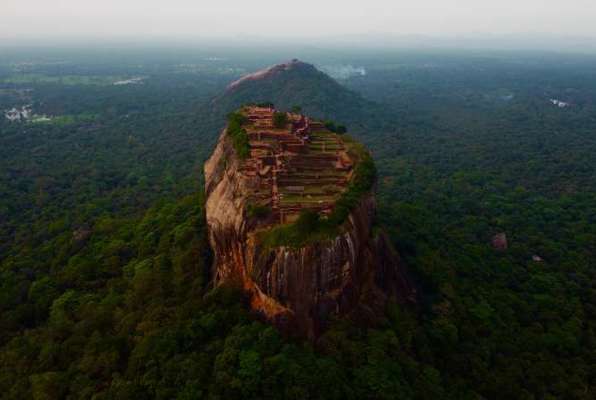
{"x":295,"y":165}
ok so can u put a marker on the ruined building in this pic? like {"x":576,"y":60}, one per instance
{"x":294,"y":167}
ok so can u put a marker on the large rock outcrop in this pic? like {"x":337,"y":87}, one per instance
{"x":298,"y":289}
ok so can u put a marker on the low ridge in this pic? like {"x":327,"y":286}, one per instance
{"x":295,"y":83}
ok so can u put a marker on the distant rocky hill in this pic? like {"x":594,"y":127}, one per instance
{"x":290,"y":210}
{"x":296,"y":83}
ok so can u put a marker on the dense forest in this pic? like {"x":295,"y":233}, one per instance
{"x":104,"y":265}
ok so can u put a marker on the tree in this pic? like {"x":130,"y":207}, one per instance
{"x":280,"y":119}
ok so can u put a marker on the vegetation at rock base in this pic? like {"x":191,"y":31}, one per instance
{"x":133,"y":310}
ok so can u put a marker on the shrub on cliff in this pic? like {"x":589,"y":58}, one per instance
{"x":257,"y":211}
{"x":363,"y":181}
{"x":307,"y":222}
{"x":339,"y":129}
{"x":307,"y":228}
{"x":330,"y":125}
{"x":280,"y":119}
{"x":238,"y":134}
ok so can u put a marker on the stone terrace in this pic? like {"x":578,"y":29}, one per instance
{"x":301,"y":166}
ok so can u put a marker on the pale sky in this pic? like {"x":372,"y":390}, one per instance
{"x":295,"y":18}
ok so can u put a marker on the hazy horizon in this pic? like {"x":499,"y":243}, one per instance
{"x":268,"y":20}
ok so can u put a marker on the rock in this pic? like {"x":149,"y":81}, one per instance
{"x":81,"y":234}
{"x":537,"y":258}
{"x":298,"y":289}
{"x":499,"y":242}
{"x":270,"y":71}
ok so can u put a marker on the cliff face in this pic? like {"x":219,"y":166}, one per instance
{"x":298,"y":289}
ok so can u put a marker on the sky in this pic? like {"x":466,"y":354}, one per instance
{"x":30,"y":19}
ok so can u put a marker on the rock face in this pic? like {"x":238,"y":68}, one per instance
{"x":298,"y":289}
{"x":269,"y":72}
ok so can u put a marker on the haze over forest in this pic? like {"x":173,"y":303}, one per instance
{"x":543,"y":24}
